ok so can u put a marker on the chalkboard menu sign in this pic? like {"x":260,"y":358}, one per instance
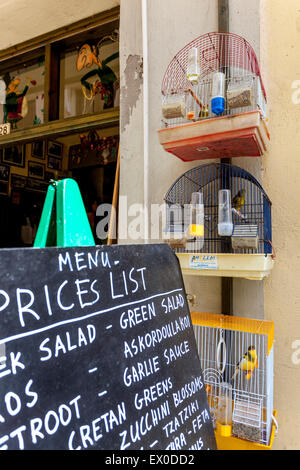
{"x":97,"y":351}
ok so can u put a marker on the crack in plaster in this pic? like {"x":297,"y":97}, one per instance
{"x":130,"y":93}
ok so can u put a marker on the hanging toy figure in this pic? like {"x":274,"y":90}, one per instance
{"x":88,"y":56}
{"x":15,"y":107}
{"x":247,"y":364}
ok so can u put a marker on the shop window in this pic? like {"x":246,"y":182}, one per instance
{"x":70,"y":77}
{"x":71,"y":74}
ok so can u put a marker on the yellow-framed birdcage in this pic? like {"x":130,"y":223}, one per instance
{"x":237,"y":360}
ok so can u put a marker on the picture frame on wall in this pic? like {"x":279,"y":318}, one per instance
{"x":4,"y":172}
{"x":36,"y":170}
{"x":54,"y":163}
{"x":38,"y":149}
{"x":18,"y":181}
{"x":14,"y":155}
{"x":54,"y":149}
{"x":4,"y":185}
{"x":34,"y":184}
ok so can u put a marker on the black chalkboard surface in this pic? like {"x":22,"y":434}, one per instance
{"x":98,"y":352}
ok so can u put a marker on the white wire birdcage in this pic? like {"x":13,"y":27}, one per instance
{"x":222,"y":59}
{"x":234,"y":379}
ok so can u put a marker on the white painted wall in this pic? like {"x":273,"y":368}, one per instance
{"x":280,"y":56}
{"x":171,"y":25}
{"x":244,"y":20}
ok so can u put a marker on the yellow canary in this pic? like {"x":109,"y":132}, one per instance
{"x":239,"y":200}
{"x":247,"y":364}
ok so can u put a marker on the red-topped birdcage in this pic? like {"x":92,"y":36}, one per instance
{"x":217,"y":51}
{"x":214,"y":76}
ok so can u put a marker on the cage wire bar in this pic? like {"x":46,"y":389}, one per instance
{"x":252,"y":398}
{"x":209,"y":179}
{"x":217,"y":52}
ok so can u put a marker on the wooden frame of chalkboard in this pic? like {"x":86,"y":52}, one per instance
{"x":98,"y":351}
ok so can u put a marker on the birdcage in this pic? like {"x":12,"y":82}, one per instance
{"x":233,"y":226}
{"x":236,"y":356}
{"x":213,"y":77}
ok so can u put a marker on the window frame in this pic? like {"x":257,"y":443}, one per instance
{"x":48,"y":45}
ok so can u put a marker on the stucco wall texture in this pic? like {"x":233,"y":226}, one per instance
{"x":280,"y":63}
{"x":171,"y":24}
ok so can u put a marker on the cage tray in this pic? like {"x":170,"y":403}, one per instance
{"x":248,"y":266}
{"x":235,"y":443}
{"x":239,"y":135}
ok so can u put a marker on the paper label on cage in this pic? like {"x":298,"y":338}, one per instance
{"x":203,"y":262}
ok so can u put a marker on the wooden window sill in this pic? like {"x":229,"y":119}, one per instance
{"x":107,"y":118}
